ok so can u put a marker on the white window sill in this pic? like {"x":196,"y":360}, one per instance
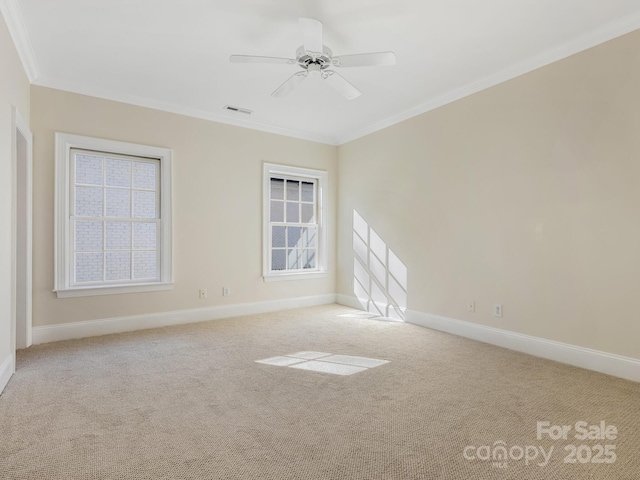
{"x":277,"y":277}
{"x":112,"y":289}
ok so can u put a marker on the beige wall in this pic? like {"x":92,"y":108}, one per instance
{"x":217,"y":205}
{"x":14,"y":91}
{"x":525,"y":194}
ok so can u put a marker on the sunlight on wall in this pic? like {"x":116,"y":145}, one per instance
{"x":379,"y":276}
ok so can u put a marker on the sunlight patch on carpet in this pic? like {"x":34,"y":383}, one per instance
{"x":324,"y":362}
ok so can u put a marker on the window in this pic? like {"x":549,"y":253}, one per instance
{"x":294,"y":222}
{"x":113,"y":217}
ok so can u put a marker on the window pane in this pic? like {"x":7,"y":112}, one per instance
{"x":144,"y":236}
{"x":292,"y":222}
{"x":88,"y":236}
{"x":118,"y":202}
{"x":277,"y":211}
{"x":88,"y":202}
{"x":113,"y":203}
{"x":144,"y":265}
{"x":293,"y":236}
{"x":307,"y":192}
{"x":89,"y":169}
{"x":293,"y":212}
{"x":144,"y":175}
{"x":293,"y":190}
{"x":118,"y":173}
{"x":309,"y":237}
{"x":118,"y":235}
{"x":278,"y":260}
{"x":277,"y":237}
{"x":308,"y":258}
{"x":118,"y":265}
{"x":293,"y":259}
{"x":144,"y":204}
{"x":277,"y":189}
{"x":88,"y":267}
{"x":308,"y":211}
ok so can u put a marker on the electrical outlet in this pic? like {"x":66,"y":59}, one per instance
{"x":202,"y":294}
{"x":226,"y":292}
{"x":497,"y":310}
{"x":471,"y":306}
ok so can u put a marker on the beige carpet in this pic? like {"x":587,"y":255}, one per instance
{"x":190,"y":402}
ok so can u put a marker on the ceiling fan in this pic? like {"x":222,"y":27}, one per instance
{"x":316,"y":60}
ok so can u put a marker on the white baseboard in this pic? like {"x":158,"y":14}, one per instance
{"x":611,"y":364}
{"x":6,"y":371}
{"x":355,"y":302}
{"x":67,"y":331}
{"x":348,"y":301}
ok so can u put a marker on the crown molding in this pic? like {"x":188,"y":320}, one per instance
{"x":12,"y":14}
{"x":181,"y":110}
{"x":583,"y":42}
{"x":15,"y":23}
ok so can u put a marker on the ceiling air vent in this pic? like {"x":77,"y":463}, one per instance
{"x":238,"y":109}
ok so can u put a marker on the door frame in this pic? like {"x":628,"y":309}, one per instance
{"x":22,"y":217}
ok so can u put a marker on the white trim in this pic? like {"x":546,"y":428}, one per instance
{"x":17,"y":29}
{"x":294,"y":276}
{"x":19,"y":125}
{"x":588,"y":40}
{"x":66,"y":331}
{"x":355,"y":302}
{"x":113,"y":289}
{"x":583,"y":42}
{"x":64,"y":143}
{"x":348,"y":301}
{"x":7,"y":369}
{"x":603,"y":362}
{"x":182,"y":110}
{"x":611,"y":364}
{"x":322,"y":185}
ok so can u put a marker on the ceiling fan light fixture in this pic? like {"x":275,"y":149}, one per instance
{"x":314,"y":70}
{"x":315,"y":59}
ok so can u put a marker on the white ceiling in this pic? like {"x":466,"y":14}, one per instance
{"x":173,"y":54}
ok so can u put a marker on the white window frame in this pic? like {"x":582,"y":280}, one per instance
{"x":320,"y":177}
{"x":63,"y":285}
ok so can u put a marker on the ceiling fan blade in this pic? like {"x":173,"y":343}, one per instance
{"x":341,"y":85}
{"x":365,"y":59}
{"x":311,"y":35}
{"x":292,"y":82}
{"x":254,"y":59}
